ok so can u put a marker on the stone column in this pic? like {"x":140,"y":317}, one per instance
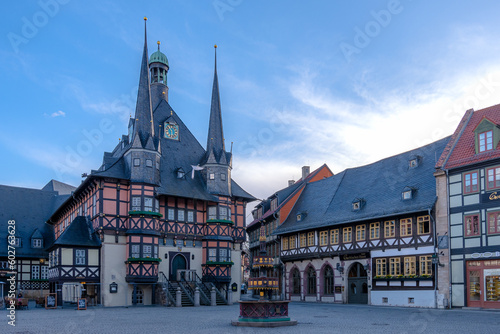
{"x":178,"y":298}
{"x":230,"y":297}
{"x":197,"y":297}
{"x":213,"y":297}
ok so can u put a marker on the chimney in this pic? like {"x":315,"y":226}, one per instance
{"x":291,"y":182}
{"x":305,"y":172}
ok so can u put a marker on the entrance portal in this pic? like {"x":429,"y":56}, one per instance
{"x":357,"y":285}
{"x":178,"y":263}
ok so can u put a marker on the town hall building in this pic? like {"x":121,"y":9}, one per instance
{"x":162,"y":210}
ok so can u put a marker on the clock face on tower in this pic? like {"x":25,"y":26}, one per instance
{"x":171,"y":131}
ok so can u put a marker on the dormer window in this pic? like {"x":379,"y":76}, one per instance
{"x":487,"y":135}
{"x":301,"y":216}
{"x":36,"y":243}
{"x":407,"y":193}
{"x":211,"y":176}
{"x":274,"y":204}
{"x":485,"y":141}
{"x":357,"y":204}
{"x":180,"y":173}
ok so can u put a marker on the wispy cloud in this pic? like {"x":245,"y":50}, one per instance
{"x":58,"y":113}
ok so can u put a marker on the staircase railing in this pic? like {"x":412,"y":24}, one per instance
{"x":166,"y":285}
{"x":212,"y":285}
{"x":188,"y":290}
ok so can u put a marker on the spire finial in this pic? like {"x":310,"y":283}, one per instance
{"x":145,"y":18}
{"x":158,"y":45}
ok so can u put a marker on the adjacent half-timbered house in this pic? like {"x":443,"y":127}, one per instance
{"x":468,"y":173}
{"x":25,"y":236}
{"x":366,"y":235}
{"x":163,"y":207}
{"x":274,"y":210}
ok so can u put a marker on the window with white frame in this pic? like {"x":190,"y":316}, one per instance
{"x":223,"y":212}
{"x":485,"y":141}
{"x":212,"y":254}
{"x":190,"y":216}
{"x":148,"y":204}
{"x":44,"y":272}
{"x":493,"y":178}
{"x":146,"y":250}
{"x":37,"y":243}
{"x":212,"y":212}
{"x":80,"y":257}
{"x":180,"y":215}
{"x":136,"y":203}
{"x":35,"y":272}
{"x":135,"y":251}
{"x":171,"y":214}
{"x":223,"y":255}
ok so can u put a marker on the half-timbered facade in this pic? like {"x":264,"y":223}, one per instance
{"x":469,"y":174}
{"x":366,"y":235}
{"x":269,"y":214}
{"x":24,"y":236}
{"x":161,"y":203}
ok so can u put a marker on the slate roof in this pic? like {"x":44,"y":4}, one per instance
{"x":175,"y":154}
{"x":328,"y":202}
{"x":78,"y":233}
{"x":461,"y":149}
{"x":30,"y":208}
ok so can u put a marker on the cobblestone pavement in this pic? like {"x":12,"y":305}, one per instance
{"x":312,"y":318}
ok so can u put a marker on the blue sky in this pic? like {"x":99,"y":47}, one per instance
{"x":302,"y":83}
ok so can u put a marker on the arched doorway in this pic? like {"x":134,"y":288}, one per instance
{"x":357,"y":285}
{"x":178,"y":263}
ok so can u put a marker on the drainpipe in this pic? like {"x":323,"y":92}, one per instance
{"x":449,"y":236}
{"x":436,"y":266}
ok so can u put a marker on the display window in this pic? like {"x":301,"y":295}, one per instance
{"x":483,"y":283}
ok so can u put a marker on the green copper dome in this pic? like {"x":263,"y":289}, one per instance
{"x":158,"y":57}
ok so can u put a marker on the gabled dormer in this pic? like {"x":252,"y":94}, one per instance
{"x":486,"y":136}
{"x":37,"y":239}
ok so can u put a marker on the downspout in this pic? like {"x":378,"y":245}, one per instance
{"x":449,"y":237}
{"x":436,"y":266}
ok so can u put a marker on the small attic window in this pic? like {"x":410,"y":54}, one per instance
{"x":17,"y":242}
{"x":137,"y":162}
{"x":149,"y":163}
{"x":301,"y":216}
{"x":36,"y":243}
{"x":357,"y":204}
{"x":180,"y":173}
{"x":414,"y":161}
{"x":407,"y":193}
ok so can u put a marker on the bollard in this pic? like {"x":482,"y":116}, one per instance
{"x":230,"y":297}
{"x":178,"y":298}
{"x":197,"y":297}
{"x":213,"y":297}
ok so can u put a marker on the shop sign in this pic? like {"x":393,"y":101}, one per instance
{"x":484,"y":255}
{"x":357,"y":256}
{"x":489,"y":197}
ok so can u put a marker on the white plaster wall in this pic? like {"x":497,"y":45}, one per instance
{"x":113,"y":269}
{"x":457,"y":295}
{"x":400,"y":298}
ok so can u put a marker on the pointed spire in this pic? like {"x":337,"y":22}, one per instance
{"x":143,"y":111}
{"x":215,"y":140}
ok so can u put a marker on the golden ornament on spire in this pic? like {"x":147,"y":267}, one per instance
{"x":145,"y":18}
{"x":215,"y":46}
